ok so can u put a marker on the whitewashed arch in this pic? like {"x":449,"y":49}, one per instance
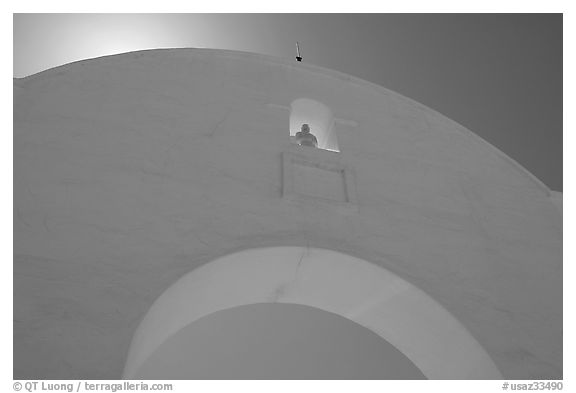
{"x":367,"y":294}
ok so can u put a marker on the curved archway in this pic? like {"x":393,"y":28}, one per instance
{"x":367,"y":294}
{"x":277,"y":341}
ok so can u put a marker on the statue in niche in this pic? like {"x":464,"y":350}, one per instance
{"x":305,"y":138}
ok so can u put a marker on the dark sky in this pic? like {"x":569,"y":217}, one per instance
{"x":500,"y":75}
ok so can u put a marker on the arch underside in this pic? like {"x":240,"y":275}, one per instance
{"x":360,"y":291}
{"x":279,"y":341}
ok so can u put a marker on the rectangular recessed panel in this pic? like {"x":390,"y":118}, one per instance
{"x":318,"y":182}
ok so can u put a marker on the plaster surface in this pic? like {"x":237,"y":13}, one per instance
{"x":132,"y":170}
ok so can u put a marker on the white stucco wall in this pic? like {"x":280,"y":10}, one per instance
{"x":556,"y":198}
{"x":132,"y":170}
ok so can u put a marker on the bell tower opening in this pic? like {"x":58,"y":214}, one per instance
{"x":312,"y":124}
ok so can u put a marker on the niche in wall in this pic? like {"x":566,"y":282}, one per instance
{"x":320,"y":119}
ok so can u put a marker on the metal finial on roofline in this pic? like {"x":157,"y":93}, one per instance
{"x":298,"y":57}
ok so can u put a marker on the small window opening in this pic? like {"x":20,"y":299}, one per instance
{"x":312,"y":124}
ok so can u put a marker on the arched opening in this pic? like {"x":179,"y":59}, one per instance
{"x":276,"y":341}
{"x":318,"y":118}
{"x":371,"y":296}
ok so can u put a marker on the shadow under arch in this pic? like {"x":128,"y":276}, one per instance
{"x":373,"y":297}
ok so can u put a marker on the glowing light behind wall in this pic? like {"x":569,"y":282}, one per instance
{"x":50,"y":40}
